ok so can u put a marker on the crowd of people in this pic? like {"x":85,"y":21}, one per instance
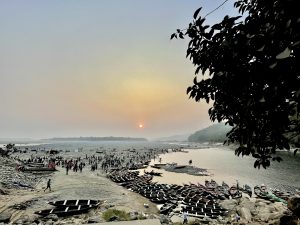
{"x":105,"y":161}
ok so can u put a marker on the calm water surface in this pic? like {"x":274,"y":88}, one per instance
{"x":225,"y":166}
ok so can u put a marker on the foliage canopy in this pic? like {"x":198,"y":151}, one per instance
{"x":251,"y":67}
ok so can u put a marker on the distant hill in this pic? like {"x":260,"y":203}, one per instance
{"x":213,"y":133}
{"x":96,"y":139}
{"x":179,"y":138}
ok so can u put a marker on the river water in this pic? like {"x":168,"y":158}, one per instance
{"x":223,"y":165}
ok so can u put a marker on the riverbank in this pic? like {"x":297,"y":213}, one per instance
{"x":20,"y":202}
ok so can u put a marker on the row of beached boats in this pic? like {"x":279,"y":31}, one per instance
{"x":69,"y":207}
{"x":197,"y":199}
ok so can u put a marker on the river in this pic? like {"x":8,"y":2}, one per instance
{"x":223,"y":165}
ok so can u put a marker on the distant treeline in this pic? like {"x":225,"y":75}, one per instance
{"x":217,"y":133}
{"x":213,"y":133}
{"x":96,"y":139}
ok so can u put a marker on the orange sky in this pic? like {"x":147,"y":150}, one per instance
{"x":97,"y":68}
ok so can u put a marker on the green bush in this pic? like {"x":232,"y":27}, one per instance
{"x":122,"y":215}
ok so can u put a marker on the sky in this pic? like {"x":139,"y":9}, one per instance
{"x":98,"y":68}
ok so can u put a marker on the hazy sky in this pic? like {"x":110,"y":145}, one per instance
{"x":98,"y":68}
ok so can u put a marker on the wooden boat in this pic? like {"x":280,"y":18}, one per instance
{"x":261,"y":191}
{"x":247,"y":189}
{"x":159,"y":200}
{"x":224,"y":185}
{"x":179,"y":167}
{"x":32,"y":164}
{"x":39,"y":169}
{"x":217,"y":210}
{"x":234,"y":192}
{"x":74,"y":202}
{"x":66,"y":210}
{"x":167,"y":208}
{"x":160,"y":164}
{"x":153,"y":173}
{"x":156,"y":167}
{"x":280,"y":194}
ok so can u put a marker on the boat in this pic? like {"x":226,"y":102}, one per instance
{"x":66,"y":210}
{"x":32,"y":164}
{"x":156,"y":167}
{"x":160,"y":164}
{"x":167,"y":208}
{"x":75,"y":202}
{"x":247,"y":189}
{"x":234,"y":192}
{"x":180,"y":167}
{"x":39,"y":169}
{"x":262,"y":192}
{"x":153,"y":173}
{"x":280,"y":194}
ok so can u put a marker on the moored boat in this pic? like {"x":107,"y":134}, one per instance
{"x":38,"y":169}
{"x":75,"y":202}
{"x":66,"y":210}
{"x":234,"y":192}
{"x":247,"y":189}
{"x":153,"y":173}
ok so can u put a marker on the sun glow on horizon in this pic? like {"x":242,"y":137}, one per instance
{"x":141,"y":126}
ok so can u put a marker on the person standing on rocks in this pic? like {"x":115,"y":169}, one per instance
{"x":48,"y":185}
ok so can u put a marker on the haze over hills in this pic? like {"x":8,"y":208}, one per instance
{"x":175,"y":138}
{"x":213,"y":133}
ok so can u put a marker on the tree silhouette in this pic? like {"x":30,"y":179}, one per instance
{"x":251,"y":67}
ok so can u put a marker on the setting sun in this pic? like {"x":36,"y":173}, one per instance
{"x":141,"y":125}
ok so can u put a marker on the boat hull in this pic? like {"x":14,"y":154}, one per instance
{"x":62,"y":211}
{"x":75,"y":202}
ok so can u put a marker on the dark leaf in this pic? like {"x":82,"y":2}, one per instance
{"x":205,"y":27}
{"x":188,"y":90}
{"x":181,"y":35}
{"x":197,"y":12}
{"x":195,"y":80}
{"x":216,"y":27}
{"x":255,"y":155}
{"x":207,"y":100}
{"x":172,"y":36}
